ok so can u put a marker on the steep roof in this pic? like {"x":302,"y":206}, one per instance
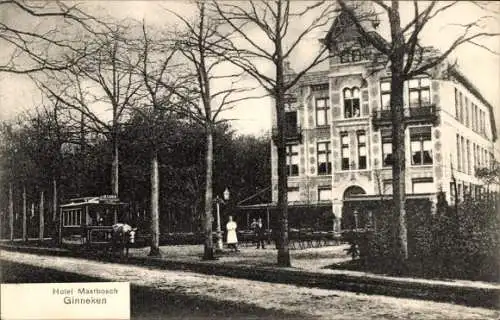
{"x":343,"y":22}
{"x":460,"y":77}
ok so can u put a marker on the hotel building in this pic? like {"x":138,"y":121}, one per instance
{"x":338,"y":129}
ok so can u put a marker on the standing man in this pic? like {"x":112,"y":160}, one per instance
{"x":261,"y":234}
{"x":253,"y":227}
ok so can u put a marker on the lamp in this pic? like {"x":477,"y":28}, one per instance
{"x":218,"y":201}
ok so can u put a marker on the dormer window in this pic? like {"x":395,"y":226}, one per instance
{"x":350,"y":55}
{"x":345,"y":56}
{"x":352,"y":103}
{"x":356,"y":55}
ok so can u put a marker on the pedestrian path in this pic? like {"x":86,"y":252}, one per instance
{"x":320,"y":303}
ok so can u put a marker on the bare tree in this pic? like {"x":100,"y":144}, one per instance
{"x":107,"y":77}
{"x":31,"y":37}
{"x":157,"y":73}
{"x":408,"y":57}
{"x":272,"y":46}
{"x":203,"y":100}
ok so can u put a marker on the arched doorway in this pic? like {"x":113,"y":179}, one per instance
{"x":350,"y":209}
{"x":353,"y":191}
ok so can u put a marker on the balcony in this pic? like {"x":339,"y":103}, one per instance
{"x":292,"y":133}
{"x":412,"y":115}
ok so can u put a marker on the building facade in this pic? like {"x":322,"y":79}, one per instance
{"x":338,"y":130}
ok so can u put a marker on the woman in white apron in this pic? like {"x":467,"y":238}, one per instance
{"x":232,"y":239}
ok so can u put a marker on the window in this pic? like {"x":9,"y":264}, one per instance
{"x":351,"y":103}
{"x":361,"y":150}
{"x":459,"y":154}
{"x":324,"y":158}
{"x":461,"y":108}
{"x":480,"y":129}
{"x":462,"y":151}
{"x":483,"y":128}
{"x":292,"y":160}
{"x":356,"y":55}
{"x":474,"y":117}
{"x":345,"y":56}
{"x":325,"y":193}
{"x":322,"y":107}
{"x":345,"y":151}
{"x":483,"y":159}
{"x":474,"y":156}
{"x":319,"y":87}
{"x":420,"y":146}
{"x":72,"y":218}
{"x":466,"y":111}
{"x":453,"y":196}
{"x":457,"y":104}
{"x":290,"y":123}
{"x":349,"y":55}
{"x":469,"y":164}
{"x":385,"y":94}
{"x":293,"y":194}
{"x":478,"y":157}
{"x":419,"y":92}
{"x":477,"y":191}
{"x":424,"y":185}
{"x":386,"y":148}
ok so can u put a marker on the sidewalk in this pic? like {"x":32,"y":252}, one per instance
{"x":285,"y":301}
{"x":308,"y":271}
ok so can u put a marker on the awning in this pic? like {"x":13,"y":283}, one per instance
{"x":297,"y":204}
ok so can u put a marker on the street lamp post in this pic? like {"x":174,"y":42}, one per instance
{"x":218,"y":201}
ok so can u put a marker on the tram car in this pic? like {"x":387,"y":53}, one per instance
{"x":87,"y":223}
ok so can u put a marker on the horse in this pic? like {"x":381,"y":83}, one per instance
{"x":122,"y":236}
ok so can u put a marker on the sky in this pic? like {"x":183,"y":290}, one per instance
{"x":253,"y":117}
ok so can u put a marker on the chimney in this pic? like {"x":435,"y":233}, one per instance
{"x":287,"y":68}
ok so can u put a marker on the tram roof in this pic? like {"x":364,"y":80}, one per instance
{"x":102,"y":200}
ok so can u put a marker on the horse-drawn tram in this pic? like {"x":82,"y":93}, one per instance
{"x":90,"y":221}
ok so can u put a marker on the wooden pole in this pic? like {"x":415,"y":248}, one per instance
{"x":267,"y":216}
{"x":41,"y":220}
{"x":11,"y":214}
{"x":54,"y":200}
{"x":25,"y":212}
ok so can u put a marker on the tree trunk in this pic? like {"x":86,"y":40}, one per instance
{"x":208,"y":253}
{"x":11,"y":214}
{"x":54,"y":209}
{"x":54,"y":200}
{"x":398,"y":137}
{"x":81,"y":162}
{"x":283,"y":248}
{"x":115,"y":168}
{"x":155,"y":214}
{"x":42,"y":218}
{"x":25,"y":213}
{"x":399,"y":167}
